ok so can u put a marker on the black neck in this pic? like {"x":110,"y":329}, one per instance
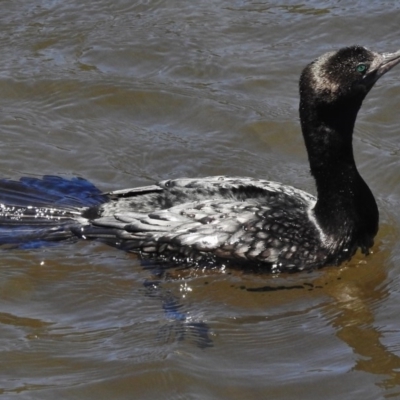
{"x":346,"y":208}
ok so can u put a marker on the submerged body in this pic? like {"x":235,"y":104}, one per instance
{"x":225,"y":220}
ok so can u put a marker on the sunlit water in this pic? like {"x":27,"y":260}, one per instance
{"x":124,"y":93}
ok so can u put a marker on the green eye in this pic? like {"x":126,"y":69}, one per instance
{"x":361,"y":68}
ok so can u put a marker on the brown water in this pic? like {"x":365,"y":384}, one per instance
{"x":123,"y":93}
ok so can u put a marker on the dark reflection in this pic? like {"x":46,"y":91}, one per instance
{"x":274,"y":288}
{"x":356,"y":289}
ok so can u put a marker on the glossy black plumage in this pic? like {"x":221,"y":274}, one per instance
{"x":222,"y":220}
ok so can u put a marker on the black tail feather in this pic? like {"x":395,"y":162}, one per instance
{"x":34,"y":211}
{"x":50,"y":191}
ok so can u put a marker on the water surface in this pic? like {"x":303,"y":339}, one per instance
{"x":124,"y":93}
